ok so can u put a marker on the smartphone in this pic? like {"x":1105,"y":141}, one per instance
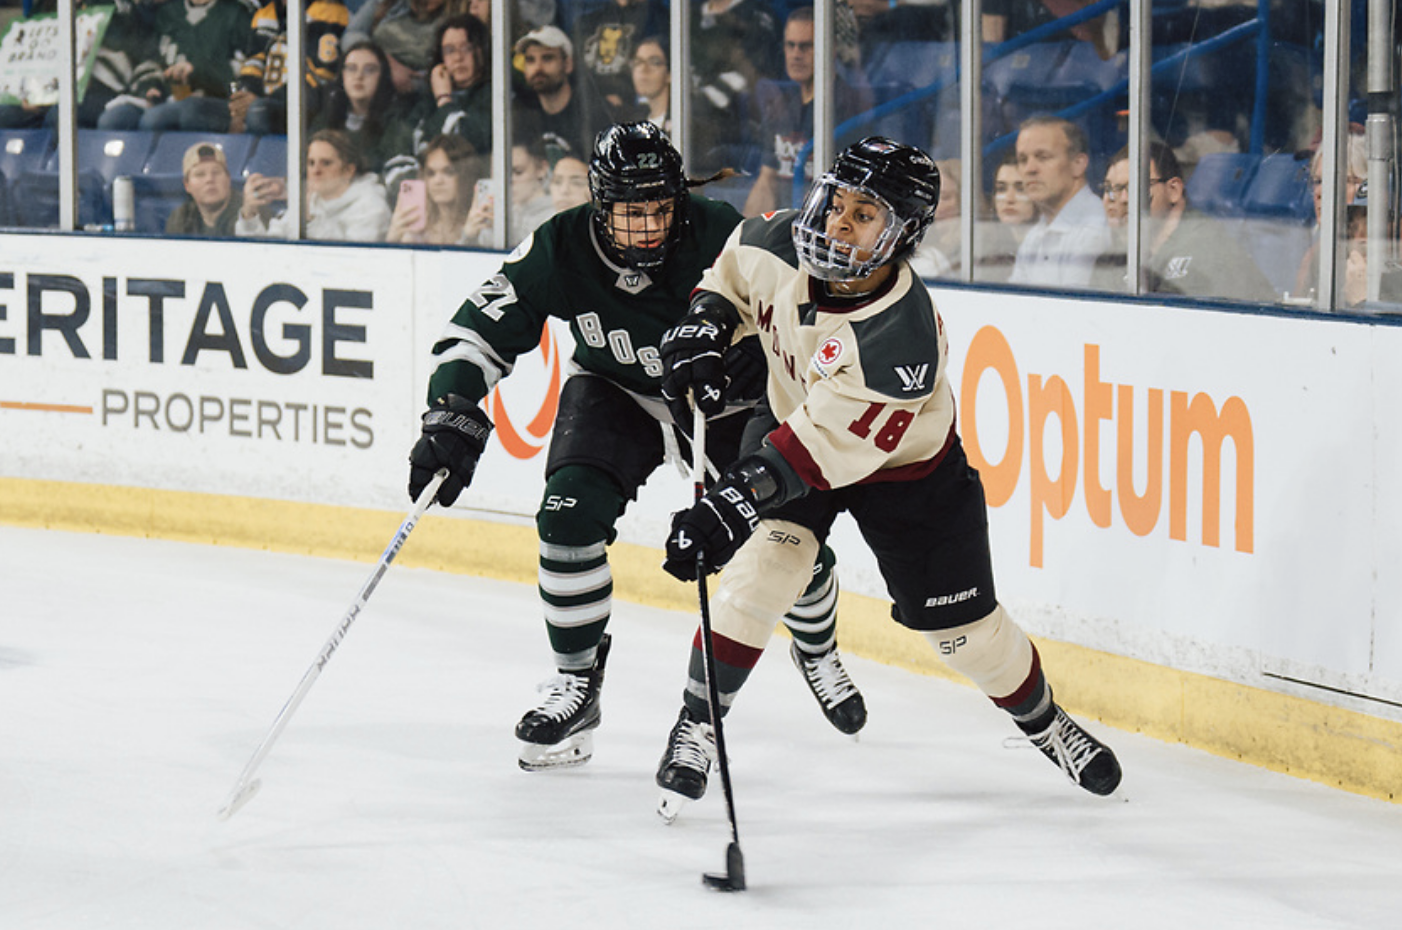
{"x":412,"y":193}
{"x":485,"y":191}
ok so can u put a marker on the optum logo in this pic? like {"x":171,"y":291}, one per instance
{"x":1045,"y":399}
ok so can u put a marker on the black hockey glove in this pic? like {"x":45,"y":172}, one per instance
{"x":693,"y":359}
{"x":455,"y":432}
{"x":714,"y":528}
{"x":746,"y":371}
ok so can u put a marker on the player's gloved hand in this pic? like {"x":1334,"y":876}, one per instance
{"x":693,"y":360}
{"x":746,"y":370}
{"x":455,"y":432}
{"x":714,"y":529}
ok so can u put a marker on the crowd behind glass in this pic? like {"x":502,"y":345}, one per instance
{"x":1205,"y":155}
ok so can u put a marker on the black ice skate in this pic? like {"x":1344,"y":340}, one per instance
{"x":560,"y":732}
{"x":691,"y":748}
{"x":1085,"y":760}
{"x":838,"y":697}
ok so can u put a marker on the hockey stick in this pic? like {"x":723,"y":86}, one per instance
{"x":247,"y":786}
{"x":734,"y":877}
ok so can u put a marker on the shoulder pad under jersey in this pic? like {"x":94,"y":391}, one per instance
{"x":900,"y":347}
{"x":772,"y":232}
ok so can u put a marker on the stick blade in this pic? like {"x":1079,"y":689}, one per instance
{"x":241,"y":796}
{"x":734,"y":877}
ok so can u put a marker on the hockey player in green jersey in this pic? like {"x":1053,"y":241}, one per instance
{"x":858,"y":417}
{"x":620,"y":271}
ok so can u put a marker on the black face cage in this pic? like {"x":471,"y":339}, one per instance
{"x":612,"y":228}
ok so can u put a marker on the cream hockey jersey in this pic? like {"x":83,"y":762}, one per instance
{"x":859,"y":386}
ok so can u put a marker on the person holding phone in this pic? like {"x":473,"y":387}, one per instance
{"x":531,"y":203}
{"x":344,"y":204}
{"x":432,"y":209}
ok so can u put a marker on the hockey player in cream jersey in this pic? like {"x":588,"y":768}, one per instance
{"x":622,"y":265}
{"x":860,"y":419}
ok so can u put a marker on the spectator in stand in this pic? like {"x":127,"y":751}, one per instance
{"x":201,"y":45}
{"x":460,"y":81}
{"x":213,"y":207}
{"x":569,"y":183}
{"x":549,"y":110}
{"x":449,"y":173}
{"x":786,"y":116}
{"x":1070,"y":233}
{"x":1015,"y":215}
{"x":734,"y":45}
{"x":363,"y":102}
{"x":531,"y":203}
{"x":939,"y":254}
{"x":259,"y":106}
{"x":343,"y":204}
{"x":651,"y":97}
{"x":1307,"y":277}
{"x":1007,"y":19}
{"x":607,"y":38}
{"x":1110,"y":267}
{"x":1188,"y":253}
{"x":406,"y":30}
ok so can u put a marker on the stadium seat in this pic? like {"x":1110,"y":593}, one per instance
{"x":35,"y":196}
{"x":24,"y":150}
{"x":1218,"y":184}
{"x":21,"y":150}
{"x":1281,"y":188}
{"x":269,"y":158}
{"x":108,"y":153}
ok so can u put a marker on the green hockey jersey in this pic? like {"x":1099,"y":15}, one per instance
{"x":616,"y":315}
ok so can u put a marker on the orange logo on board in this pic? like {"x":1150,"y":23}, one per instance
{"x":526,"y":444}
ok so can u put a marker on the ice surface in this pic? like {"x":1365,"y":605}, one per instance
{"x":138,"y":676}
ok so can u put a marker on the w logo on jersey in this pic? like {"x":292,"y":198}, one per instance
{"x":913,"y":376}
{"x":1177,"y":267}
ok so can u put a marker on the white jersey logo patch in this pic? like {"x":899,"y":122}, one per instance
{"x":633,"y":282}
{"x":913,"y":376}
{"x":827,"y":356}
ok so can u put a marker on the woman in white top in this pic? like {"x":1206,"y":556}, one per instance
{"x":343,"y":203}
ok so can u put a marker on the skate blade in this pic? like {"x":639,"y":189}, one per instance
{"x":568,"y":753}
{"x":670,"y":805}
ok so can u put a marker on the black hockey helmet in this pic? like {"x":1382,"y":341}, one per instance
{"x":906,"y":182}
{"x":635,"y":163}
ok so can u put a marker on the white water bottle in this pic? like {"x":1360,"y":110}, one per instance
{"x":123,"y":205}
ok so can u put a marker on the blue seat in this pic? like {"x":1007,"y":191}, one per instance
{"x":269,"y":158}
{"x":35,"y":196}
{"x":1219,"y":182}
{"x":1281,"y":188}
{"x":24,"y":150}
{"x":108,"y":153}
{"x":21,"y":150}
